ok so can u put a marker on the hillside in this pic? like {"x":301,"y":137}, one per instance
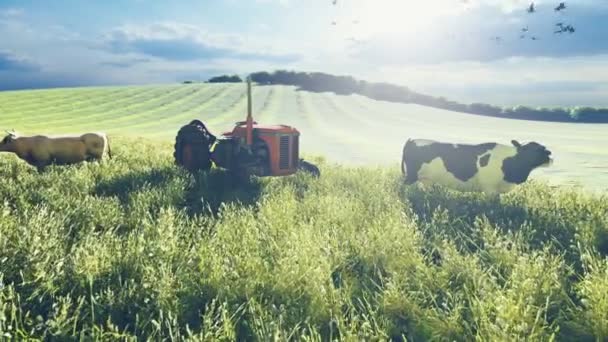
{"x":134,"y":247}
{"x":352,"y":130}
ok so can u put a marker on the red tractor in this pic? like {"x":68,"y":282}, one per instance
{"x":250,"y":149}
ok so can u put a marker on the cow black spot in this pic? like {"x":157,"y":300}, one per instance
{"x":517,"y":169}
{"x":483,"y":162}
{"x":459,"y":160}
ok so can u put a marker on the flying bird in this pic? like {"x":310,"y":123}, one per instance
{"x":562,"y":6}
{"x":534,"y":38}
{"x":562,"y":28}
{"x":531,"y":9}
{"x":525,"y":29}
{"x":334,"y":2}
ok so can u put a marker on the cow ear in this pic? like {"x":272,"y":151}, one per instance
{"x":516,"y":143}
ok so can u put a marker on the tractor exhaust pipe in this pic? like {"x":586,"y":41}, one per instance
{"x":249,"y":115}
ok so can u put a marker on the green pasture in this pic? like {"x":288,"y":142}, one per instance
{"x":351,"y":130}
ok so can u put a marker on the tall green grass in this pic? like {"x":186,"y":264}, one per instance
{"x":136,"y":248}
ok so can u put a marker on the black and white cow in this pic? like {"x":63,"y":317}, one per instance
{"x":487,"y":167}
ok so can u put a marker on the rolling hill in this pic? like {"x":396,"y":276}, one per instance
{"x":351,"y":129}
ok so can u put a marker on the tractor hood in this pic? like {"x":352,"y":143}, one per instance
{"x":241,"y":128}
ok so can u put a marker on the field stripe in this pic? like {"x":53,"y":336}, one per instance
{"x":194,"y":112}
{"x":217,"y":111}
{"x":21,"y":104}
{"x":40,"y":102}
{"x":111,"y":101}
{"x":379,"y":121}
{"x":160,"y":108}
{"x":344,"y":142}
{"x":94,"y":108}
{"x":272,"y":105}
{"x":119,"y":109}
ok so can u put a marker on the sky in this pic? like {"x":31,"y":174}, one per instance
{"x":466,"y":50}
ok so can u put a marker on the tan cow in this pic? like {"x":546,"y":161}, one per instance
{"x":41,"y":151}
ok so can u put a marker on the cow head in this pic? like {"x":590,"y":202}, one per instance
{"x":533,"y":154}
{"x":517,"y":169}
{"x":8,"y":139}
{"x":10,"y":136}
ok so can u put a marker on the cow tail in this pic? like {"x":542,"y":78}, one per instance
{"x":109,"y":149}
{"x":403,"y":171}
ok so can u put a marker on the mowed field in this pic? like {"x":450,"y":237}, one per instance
{"x":351,"y":130}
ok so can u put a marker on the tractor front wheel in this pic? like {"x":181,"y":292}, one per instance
{"x":192,"y":149}
{"x":310,"y":168}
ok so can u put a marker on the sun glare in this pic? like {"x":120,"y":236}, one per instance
{"x":371,"y":17}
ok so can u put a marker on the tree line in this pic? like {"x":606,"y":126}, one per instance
{"x":347,"y":85}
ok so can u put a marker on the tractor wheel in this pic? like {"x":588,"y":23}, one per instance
{"x":192,"y":149}
{"x":310,"y":168}
{"x":241,"y":176}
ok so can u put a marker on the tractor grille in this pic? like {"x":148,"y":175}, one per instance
{"x":295,"y":151}
{"x":284,"y":152}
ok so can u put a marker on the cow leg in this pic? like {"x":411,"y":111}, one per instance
{"x":41,"y":167}
{"x":32,"y":160}
{"x":410,"y":177}
{"x":95,"y":159}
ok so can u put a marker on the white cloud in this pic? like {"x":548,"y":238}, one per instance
{"x":197,"y":36}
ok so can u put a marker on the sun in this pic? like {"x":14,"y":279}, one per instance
{"x":366,"y":18}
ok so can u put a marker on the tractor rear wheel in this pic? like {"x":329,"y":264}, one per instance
{"x":310,"y":168}
{"x":192,"y":149}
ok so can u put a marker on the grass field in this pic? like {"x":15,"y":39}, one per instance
{"x":134,"y":247}
{"x":351,"y":130}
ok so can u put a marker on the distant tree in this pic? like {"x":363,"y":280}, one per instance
{"x":484,"y":109}
{"x":315,"y":82}
{"x":261,"y":77}
{"x":225,"y":79}
{"x":589,"y":114}
{"x":347,"y":85}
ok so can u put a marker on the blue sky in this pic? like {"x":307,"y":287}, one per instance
{"x":444,"y":47}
